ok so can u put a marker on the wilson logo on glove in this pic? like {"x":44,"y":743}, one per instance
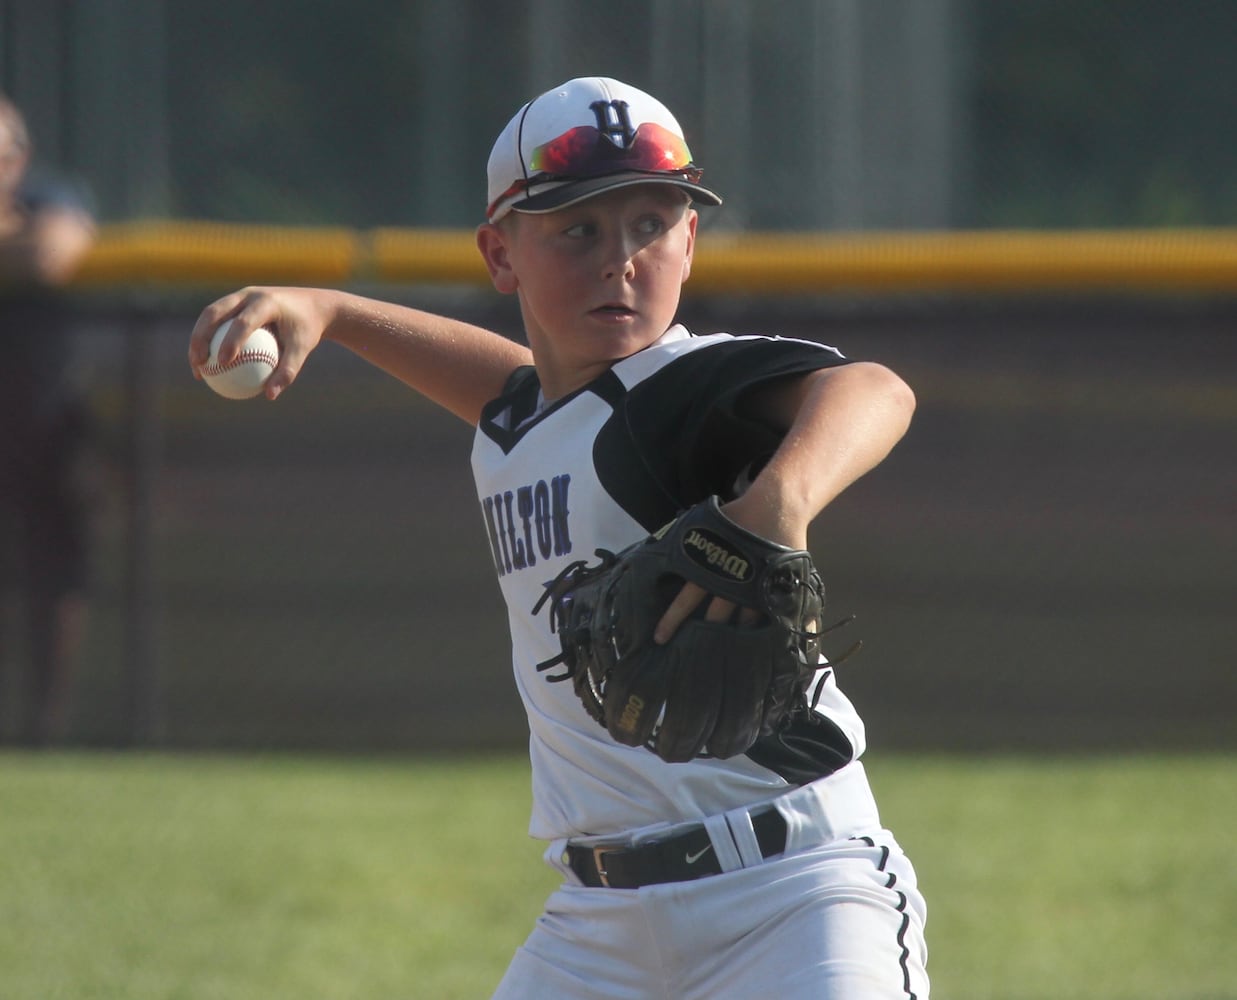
{"x":710,"y":552}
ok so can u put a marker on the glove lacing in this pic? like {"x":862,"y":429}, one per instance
{"x":558,"y":591}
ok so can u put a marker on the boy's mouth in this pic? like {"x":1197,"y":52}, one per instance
{"x":614,"y":309}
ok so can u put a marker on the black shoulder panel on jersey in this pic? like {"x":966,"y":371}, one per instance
{"x":609,"y":387}
{"x":745,"y":363}
{"x":681,"y":435}
{"x":503,"y":419}
{"x":518,"y":400}
{"x":521,"y":377}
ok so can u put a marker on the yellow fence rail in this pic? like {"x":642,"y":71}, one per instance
{"x":179,"y":253}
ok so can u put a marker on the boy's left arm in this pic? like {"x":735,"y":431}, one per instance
{"x":839,"y":423}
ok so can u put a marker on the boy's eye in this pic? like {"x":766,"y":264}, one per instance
{"x":581,"y":230}
{"x":650,"y":224}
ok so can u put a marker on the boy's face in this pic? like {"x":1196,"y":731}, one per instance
{"x":597,"y":281}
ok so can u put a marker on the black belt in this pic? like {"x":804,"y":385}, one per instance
{"x":680,"y":858}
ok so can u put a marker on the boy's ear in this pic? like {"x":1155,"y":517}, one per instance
{"x":492,"y":242}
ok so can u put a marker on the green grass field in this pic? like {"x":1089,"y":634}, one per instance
{"x":202,"y":877}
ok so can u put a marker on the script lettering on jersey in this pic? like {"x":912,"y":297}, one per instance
{"x":528,"y":522}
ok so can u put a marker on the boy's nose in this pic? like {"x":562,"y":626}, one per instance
{"x":620,"y":258}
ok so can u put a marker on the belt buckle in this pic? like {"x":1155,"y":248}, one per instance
{"x":599,"y":854}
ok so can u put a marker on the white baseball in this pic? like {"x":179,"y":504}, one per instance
{"x":245,"y":376}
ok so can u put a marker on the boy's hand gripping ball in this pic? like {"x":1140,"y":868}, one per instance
{"x":245,"y":376}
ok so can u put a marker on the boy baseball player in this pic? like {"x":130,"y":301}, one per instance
{"x":766,"y":873}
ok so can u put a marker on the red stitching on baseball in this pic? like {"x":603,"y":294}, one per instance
{"x":245,"y":356}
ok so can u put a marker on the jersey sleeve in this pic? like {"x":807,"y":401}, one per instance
{"x":721,"y":445}
{"x":683,"y":434}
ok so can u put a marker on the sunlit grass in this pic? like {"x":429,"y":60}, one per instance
{"x":203,"y":877}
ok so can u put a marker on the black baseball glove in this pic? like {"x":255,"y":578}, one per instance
{"x":714,"y":688}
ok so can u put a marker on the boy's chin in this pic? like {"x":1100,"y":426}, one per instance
{"x":623,"y":342}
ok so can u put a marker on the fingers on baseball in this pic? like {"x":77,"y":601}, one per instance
{"x":285,"y":372}
{"x":203,"y":330}
{"x":231,"y":307}
{"x":247,"y":310}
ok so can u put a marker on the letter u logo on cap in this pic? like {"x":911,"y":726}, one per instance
{"x":614,"y":122}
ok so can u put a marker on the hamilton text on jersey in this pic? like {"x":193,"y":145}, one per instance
{"x":528,"y":521}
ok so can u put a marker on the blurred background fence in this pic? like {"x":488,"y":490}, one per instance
{"x":1024,"y":208}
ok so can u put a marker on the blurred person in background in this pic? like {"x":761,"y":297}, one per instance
{"x":46,"y":490}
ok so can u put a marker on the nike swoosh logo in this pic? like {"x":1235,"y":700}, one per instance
{"x":691,"y":859}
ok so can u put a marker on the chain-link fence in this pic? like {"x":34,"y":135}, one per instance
{"x":1048,"y":559}
{"x":806,"y":114}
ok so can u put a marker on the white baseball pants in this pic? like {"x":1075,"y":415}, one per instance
{"x":837,"y":917}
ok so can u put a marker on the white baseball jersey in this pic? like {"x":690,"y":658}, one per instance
{"x":602,"y":468}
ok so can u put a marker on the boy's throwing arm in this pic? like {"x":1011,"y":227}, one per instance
{"x":455,"y":364}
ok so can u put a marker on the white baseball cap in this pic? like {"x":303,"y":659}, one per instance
{"x":589,"y":135}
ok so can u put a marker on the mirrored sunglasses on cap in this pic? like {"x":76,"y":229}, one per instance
{"x":586,"y":152}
